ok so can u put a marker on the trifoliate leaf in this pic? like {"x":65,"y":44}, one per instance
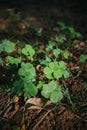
{"x":50,"y":45}
{"x":53,"y":91}
{"x":18,"y":87}
{"x":27,"y":71}
{"x":29,"y":89}
{"x":28,"y":51}
{"x":56,"y":96}
{"x":13,"y":60}
{"x":57,"y":52}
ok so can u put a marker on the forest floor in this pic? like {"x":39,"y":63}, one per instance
{"x":16,"y":23}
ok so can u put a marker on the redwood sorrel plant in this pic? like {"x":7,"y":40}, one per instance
{"x":26,"y":81}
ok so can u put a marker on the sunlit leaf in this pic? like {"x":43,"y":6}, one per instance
{"x":13,"y":60}
{"x":56,"y":96}
{"x":48,"y":72}
{"x":28,"y":51}
{"x":52,"y":91}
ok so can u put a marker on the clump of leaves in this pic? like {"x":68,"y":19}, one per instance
{"x":26,"y":80}
{"x":69,"y":30}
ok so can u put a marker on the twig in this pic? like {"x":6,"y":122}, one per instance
{"x":41,"y":119}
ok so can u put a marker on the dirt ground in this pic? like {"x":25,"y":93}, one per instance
{"x":16,"y":23}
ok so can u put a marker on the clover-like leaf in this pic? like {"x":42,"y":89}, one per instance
{"x":27,"y":71}
{"x":53,"y":66}
{"x":13,"y":60}
{"x":45,"y":61}
{"x":57,"y":52}
{"x":66,"y":54}
{"x":49,"y":88}
{"x":48,"y":72}
{"x":46,"y":91}
{"x":56,"y":96}
{"x":50,"y":45}
{"x":62,"y":65}
{"x":83,"y":58}
{"x":66,"y":74}
{"x":52,"y":91}
{"x":8,"y":46}
{"x":58,"y":74}
{"x":29,"y":89}
{"x":56,"y":70}
{"x":28,"y":51}
{"x":18,"y":87}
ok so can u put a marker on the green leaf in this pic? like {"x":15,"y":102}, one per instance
{"x":29,"y":89}
{"x":40,"y":84}
{"x":85,"y":87}
{"x":62,"y":25}
{"x":52,"y":91}
{"x":28,"y":51}
{"x":71,"y":31}
{"x":49,"y":88}
{"x":83,"y":58}
{"x":1,"y":60}
{"x":53,"y":66}
{"x":46,"y":91}
{"x":61,"y":38}
{"x":46,"y":61}
{"x":66,"y":74}
{"x":13,"y":60}
{"x":56,"y":70}
{"x":27,"y":71}
{"x":56,"y":96}
{"x":48,"y":72}
{"x":62,"y":65}
{"x":18,"y":87}
{"x":50,"y":45}
{"x":1,"y":47}
{"x":57,"y":52}
{"x":8,"y":46}
{"x":66,"y":54}
{"x":58,"y":74}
